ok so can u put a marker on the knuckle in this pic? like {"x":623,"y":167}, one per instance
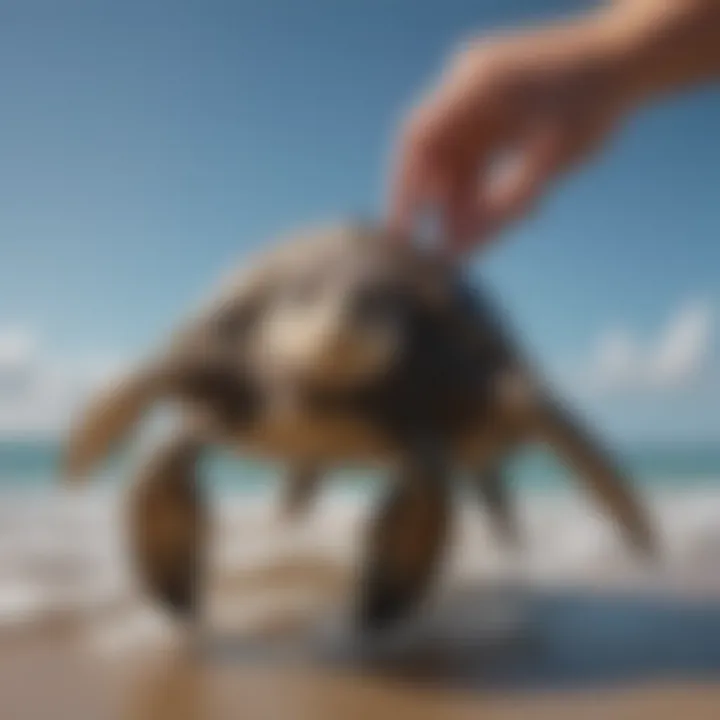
{"x":476,"y":60}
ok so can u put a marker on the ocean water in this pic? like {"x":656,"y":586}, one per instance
{"x":64,"y":552}
{"x":30,"y":465}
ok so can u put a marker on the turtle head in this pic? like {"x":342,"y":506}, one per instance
{"x":338,"y":320}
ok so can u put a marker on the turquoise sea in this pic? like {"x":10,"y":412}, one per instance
{"x":34,"y":464}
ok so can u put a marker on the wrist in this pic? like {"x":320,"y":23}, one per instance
{"x":660,"y":46}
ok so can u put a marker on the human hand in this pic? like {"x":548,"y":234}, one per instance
{"x":512,"y":113}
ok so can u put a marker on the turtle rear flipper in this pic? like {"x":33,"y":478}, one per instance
{"x":542,"y":417}
{"x":168,"y":526}
{"x":407,"y":537}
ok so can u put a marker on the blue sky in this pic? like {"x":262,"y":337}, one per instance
{"x":146,"y":145}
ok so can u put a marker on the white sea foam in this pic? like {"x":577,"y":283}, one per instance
{"x":64,"y":553}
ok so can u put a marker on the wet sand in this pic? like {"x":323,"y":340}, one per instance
{"x":596,"y":644}
{"x":664,"y":665}
{"x":572,"y":654}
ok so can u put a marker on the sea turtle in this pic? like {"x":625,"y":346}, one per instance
{"x":342,"y":345}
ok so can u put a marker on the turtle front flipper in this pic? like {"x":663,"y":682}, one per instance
{"x":168,"y":526}
{"x":407,"y":537}
{"x":492,"y":489}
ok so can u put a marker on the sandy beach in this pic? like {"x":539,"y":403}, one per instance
{"x":50,"y":677}
{"x":572,"y":629}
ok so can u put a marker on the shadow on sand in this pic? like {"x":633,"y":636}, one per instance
{"x":564,"y":640}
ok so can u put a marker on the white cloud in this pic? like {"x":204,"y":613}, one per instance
{"x":685,"y":345}
{"x":17,"y":345}
{"x":677,"y":357}
{"x":39,"y":393}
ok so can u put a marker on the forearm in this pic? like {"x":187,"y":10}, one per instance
{"x":666,"y":45}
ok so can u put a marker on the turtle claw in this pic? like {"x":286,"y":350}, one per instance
{"x":179,"y":598}
{"x":383,"y":605}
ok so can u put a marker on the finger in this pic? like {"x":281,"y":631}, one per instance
{"x":475,"y":219}
{"x":510,"y":190}
{"x":404,"y":193}
{"x":433,"y":163}
{"x":459,"y":212}
{"x":517,"y":188}
{"x":470,"y":211}
{"x":412,"y":180}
